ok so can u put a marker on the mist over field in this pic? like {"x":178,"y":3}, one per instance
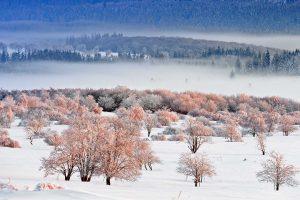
{"x":176,"y":77}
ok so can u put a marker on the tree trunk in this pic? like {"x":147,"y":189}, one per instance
{"x":277,"y":186}
{"x":85,"y":179}
{"x":67,"y":177}
{"x":263,"y":153}
{"x":150,"y":166}
{"x":107,"y":180}
{"x":149,"y":132}
{"x":196,"y":183}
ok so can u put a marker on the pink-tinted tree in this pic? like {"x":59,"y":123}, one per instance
{"x":286,"y":125}
{"x":62,"y":159}
{"x":196,"y":165}
{"x":6,"y":141}
{"x":117,"y":157}
{"x":271,"y":119}
{"x":197,"y":134}
{"x":261,"y":142}
{"x":165,"y":117}
{"x":276,"y":171}
{"x":150,"y":121}
{"x":231,"y":132}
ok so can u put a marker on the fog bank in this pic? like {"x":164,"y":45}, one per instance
{"x":146,"y":76}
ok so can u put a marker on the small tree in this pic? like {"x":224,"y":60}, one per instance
{"x":197,"y":133}
{"x":256,"y":122}
{"x":271,"y":120}
{"x":34,"y":128}
{"x":196,"y":165}
{"x":286,"y":125}
{"x":165,"y":117}
{"x":6,"y":141}
{"x":61,"y":160}
{"x":150,"y":159}
{"x":150,"y":122}
{"x":261,"y":142}
{"x":277,"y":172}
{"x":232,"y":133}
{"x":117,"y":154}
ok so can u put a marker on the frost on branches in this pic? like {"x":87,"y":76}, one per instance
{"x":276,"y":171}
{"x":197,"y":166}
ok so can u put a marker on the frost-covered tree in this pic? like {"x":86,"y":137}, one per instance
{"x":150,"y":121}
{"x":197,"y":166}
{"x":276,"y":171}
{"x":231,"y":132}
{"x":6,"y":141}
{"x":6,"y":117}
{"x":107,"y":103}
{"x":286,"y":125}
{"x":87,"y":131}
{"x":197,"y":134}
{"x":150,"y":102}
{"x":34,"y":129}
{"x":256,"y":122}
{"x":165,"y":117}
{"x":117,"y":157}
{"x":271,"y":119}
{"x":261,"y":142}
{"x":62,"y":159}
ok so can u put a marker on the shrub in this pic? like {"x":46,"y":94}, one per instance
{"x":5,"y":141}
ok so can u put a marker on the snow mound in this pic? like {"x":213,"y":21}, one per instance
{"x":9,"y":187}
{"x":47,"y":186}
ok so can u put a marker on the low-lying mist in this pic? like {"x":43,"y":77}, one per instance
{"x":176,"y":77}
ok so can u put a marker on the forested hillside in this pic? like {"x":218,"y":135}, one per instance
{"x":218,"y":15}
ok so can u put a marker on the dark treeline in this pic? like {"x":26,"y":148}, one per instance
{"x":35,"y":55}
{"x":286,"y":62}
{"x":116,"y":47}
{"x":158,"y":47}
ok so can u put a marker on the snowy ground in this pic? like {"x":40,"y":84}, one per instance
{"x":235,"y":177}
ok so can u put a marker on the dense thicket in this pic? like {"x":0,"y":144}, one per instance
{"x":195,"y":103}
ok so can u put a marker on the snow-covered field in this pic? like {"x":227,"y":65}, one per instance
{"x":236,"y":165}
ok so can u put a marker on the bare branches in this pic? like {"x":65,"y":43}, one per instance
{"x":198,"y":134}
{"x":277,"y":172}
{"x":196,"y":165}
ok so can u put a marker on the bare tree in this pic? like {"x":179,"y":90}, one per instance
{"x":232,"y":132}
{"x":34,"y":128}
{"x":150,"y":159}
{"x":197,"y":133}
{"x":261,"y":142}
{"x":87,"y":130}
{"x":256,"y":122}
{"x":150,"y":121}
{"x":271,"y":120}
{"x":277,"y":172}
{"x":62,"y":159}
{"x":196,"y":165}
{"x":117,"y":157}
{"x":286,"y":125}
